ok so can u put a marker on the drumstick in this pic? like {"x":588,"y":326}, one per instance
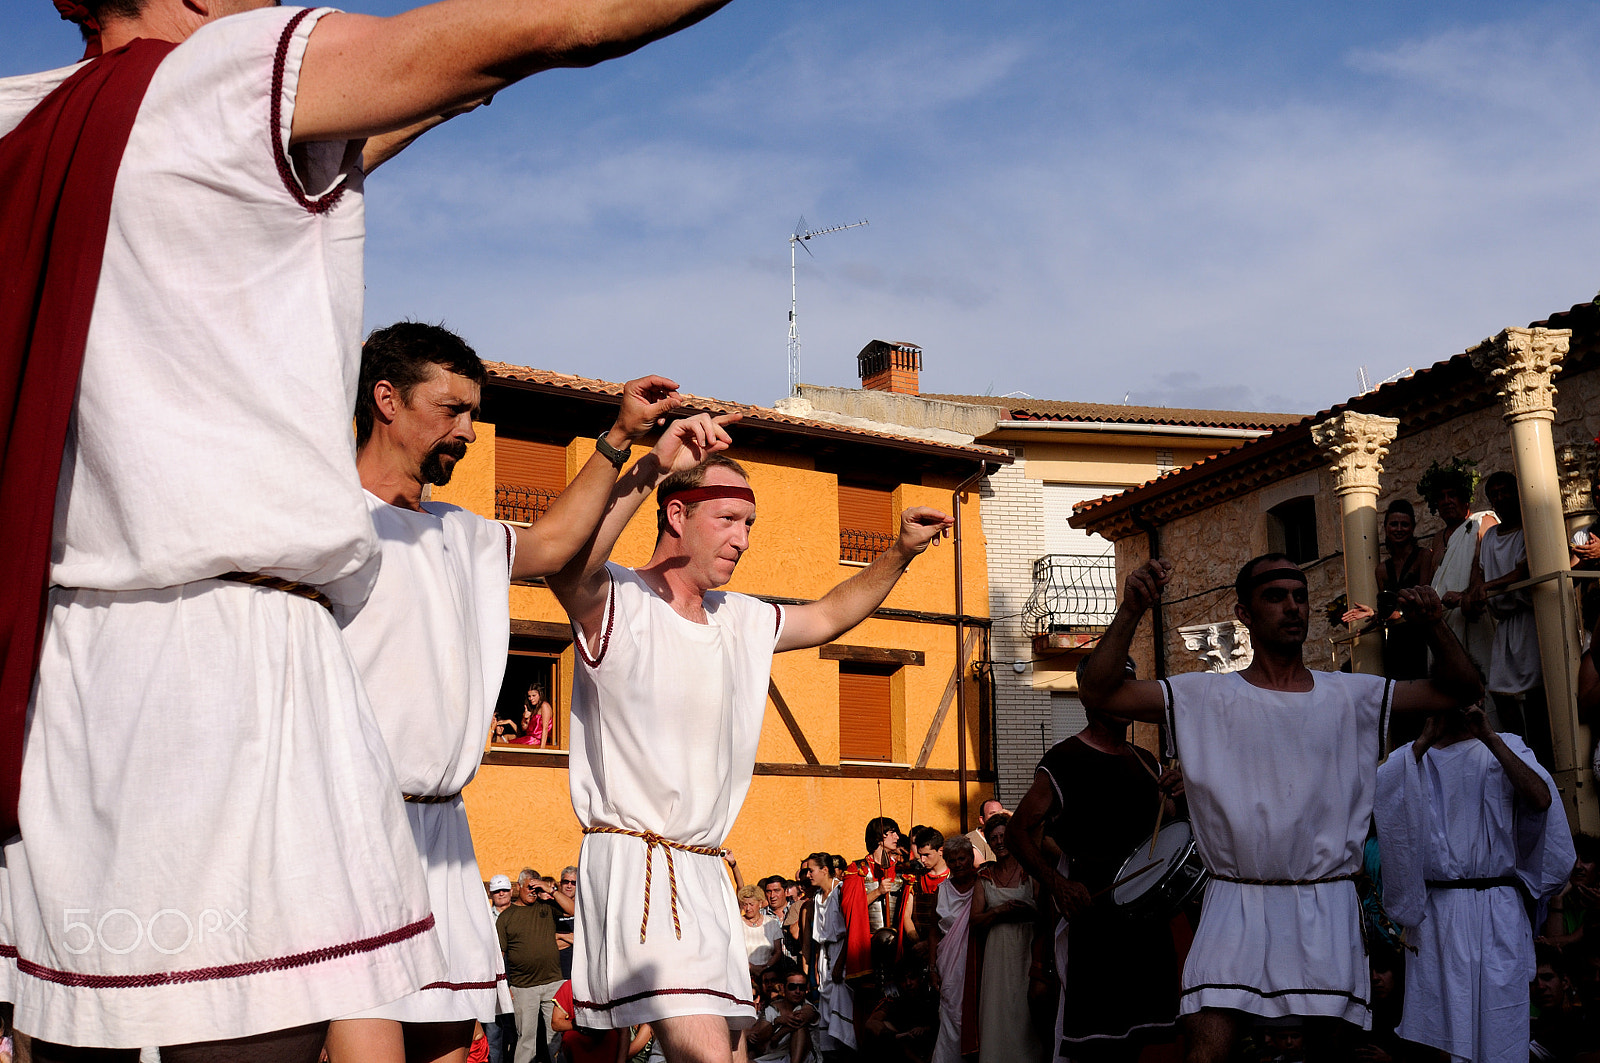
{"x":1129,"y":877}
{"x":1161,"y":810}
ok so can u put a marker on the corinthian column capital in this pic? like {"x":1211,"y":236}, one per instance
{"x":1522,"y":363}
{"x":1357,"y":443}
{"x":1577,"y":465}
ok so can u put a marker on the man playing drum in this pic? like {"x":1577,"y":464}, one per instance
{"x":1280,"y":764}
{"x":1119,"y":981}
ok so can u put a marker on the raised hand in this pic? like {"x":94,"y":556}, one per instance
{"x":645,"y":404}
{"x":921,"y":525}
{"x":689,"y":441}
{"x":1142,"y":588}
{"x":1421,"y":604}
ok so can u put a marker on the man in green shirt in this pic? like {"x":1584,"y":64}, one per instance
{"x":527,"y":933}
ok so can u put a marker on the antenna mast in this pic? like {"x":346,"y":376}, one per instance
{"x":800,"y":235}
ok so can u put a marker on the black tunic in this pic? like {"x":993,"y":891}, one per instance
{"x":1121,"y":980}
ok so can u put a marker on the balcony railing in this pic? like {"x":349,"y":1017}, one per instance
{"x":525,"y":504}
{"x":862,"y":546}
{"x":1071,"y":593}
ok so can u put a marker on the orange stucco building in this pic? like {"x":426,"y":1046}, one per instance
{"x":897,"y":714}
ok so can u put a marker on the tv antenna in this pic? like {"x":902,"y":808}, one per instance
{"x":800,"y":235}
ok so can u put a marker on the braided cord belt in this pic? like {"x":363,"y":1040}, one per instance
{"x":651,"y":839}
{"x":1351,"y":877}
{"x":288,"y":586}
{"x":430,"y":799}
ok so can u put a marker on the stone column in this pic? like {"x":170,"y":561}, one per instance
{"x":1578,"y":463}
{"x":1358,"y":443}
{"x":1522,"y":363}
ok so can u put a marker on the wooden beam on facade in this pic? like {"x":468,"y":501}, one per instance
{"x":949,"y":698}
{"x":541,"y":629}
{"x":868,"y":771}
{"x":789,"y":721}
{"x":838,"y":651}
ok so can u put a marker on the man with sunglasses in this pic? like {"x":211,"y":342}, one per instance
{"x":783,"y":1033}
{"x":1280,"y":766}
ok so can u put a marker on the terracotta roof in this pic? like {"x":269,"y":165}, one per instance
{"x":1053,"y":410}
{"x":762,"y":416}
{"x":1437,"y":393}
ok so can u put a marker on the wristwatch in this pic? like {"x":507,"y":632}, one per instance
{"x":616,"y":457}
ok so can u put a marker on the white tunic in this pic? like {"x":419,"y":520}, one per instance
{"x":201,"y":752}
{"x":666,"y":718}
{"x":1280,"y":787}
{"x":1514,"y":666}
{"x":1454,"y":574}
{"x":1455,"y":816}
{"x":955,"y":910}
{"x":431,"y":644}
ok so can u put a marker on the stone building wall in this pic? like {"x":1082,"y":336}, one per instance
{"x":1013,"y":520}
{"x":1207,"y":548}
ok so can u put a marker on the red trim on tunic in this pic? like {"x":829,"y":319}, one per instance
{"x":286,"y":174}
{"x":463,"y":986}
{"x":590,"y":1005}
{"x":582,"y":640}
{"x":57,"y":171}
{"x":210,"y":974}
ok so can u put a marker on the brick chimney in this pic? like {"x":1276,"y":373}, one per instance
{"x":890,"y":367}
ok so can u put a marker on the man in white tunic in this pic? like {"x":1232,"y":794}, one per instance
{"x":213,"y":845}
{"x":670,"y":692}
{"x":1448,"y":491}
{"x":431,"y":646}
{"x":1279,"y":766}
{"x":1469,"y":832}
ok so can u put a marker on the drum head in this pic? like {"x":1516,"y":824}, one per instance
{"x":1172,"y":848}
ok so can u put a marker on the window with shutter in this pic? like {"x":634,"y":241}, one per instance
{"x":866,"y":718}
{"x":866,"y":522}
{"x":527,"y":478}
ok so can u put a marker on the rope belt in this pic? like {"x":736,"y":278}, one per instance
{"x":430,"y":799}
{"x":651,"y":839}
{"x":1287,"y":881}
{"x":1474,"y":883}
{"x":288,"y":586}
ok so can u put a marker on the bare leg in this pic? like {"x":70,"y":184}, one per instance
{"x":438,"y":1042}
{"x":303,"y":1044}
{"x":800,"y":1045}
{"x":695,"y":1039}
{"x":1211,"y":1034}
{"x":363,"y":1041}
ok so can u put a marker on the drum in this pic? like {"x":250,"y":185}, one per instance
{"x":1156,"y":886}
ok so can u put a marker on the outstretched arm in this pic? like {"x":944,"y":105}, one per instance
{"x":550,"y":543}
{"x":857,"y":597}
{"x":363,"y":76}
{"x":1104,"y":684}
{"x":1455,"y":681}
{"x":581,"y":585}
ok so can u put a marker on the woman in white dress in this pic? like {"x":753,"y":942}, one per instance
{"x":761,"y":934}
{"x":1006,"y":906}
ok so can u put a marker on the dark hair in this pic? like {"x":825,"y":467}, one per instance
{"x":1501,"y":477}
{"x":877,"y":828}
{"x":927,"y":838}
{"x":820,"y":859}
{"x":1401,"y":505}
{"x":1588,"y":847}
{"x":1549,"y":955}
{"x":694,"y":476}
{"x":769,"y":880}
{"x":1241,"y":585}
{"x":990,"y":825}
{"x":404,"y":354}
{"x":837,"y":865}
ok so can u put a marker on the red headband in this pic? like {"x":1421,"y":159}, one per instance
{"x":73,"y":11}
{"x":702,"y":494}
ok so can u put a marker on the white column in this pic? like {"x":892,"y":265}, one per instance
{"x":1358,"y":443}
{"x":1522,"y":364}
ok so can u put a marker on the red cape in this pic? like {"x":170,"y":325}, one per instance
{"x":57,"y":171}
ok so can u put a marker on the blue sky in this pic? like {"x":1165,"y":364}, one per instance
{"x":1229,"y":205}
